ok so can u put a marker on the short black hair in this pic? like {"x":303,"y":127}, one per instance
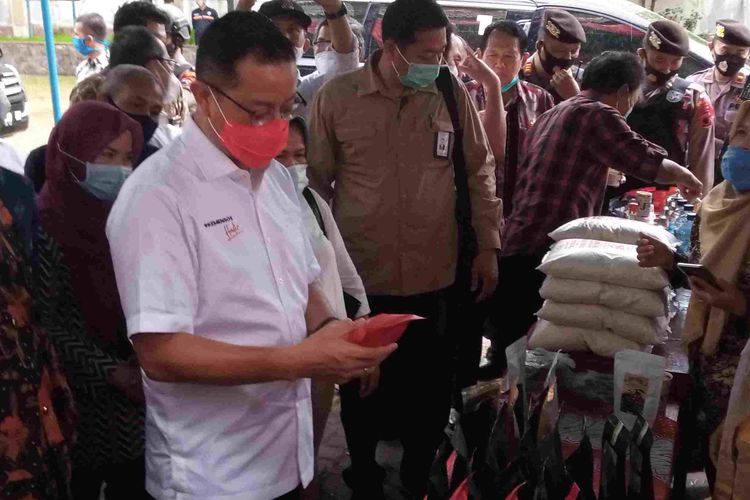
{"x":134,"y":45}
{"x":139,"y":14}
{"x":94,"y":24}
{"x":235,"y":36}
{"x":611,"y":70}
{"x":511,"y":29}
{"x":403,"y":19}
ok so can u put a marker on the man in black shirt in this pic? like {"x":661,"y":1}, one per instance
{"x":203,"y":16}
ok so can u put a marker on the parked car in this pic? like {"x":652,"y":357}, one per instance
{"x":18,"y":117}
{"x":609,"y":24}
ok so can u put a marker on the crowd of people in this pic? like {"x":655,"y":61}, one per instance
{"x":189,"y":255}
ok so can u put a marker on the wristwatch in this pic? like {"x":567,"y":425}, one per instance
{"x":341,"y":13}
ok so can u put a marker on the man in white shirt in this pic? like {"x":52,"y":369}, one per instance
{"x":214,"y":271}
{"x":89,"y":39}
{"x":293,"y":22}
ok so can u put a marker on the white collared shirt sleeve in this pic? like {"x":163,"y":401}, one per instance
{"x":350,"y":279}
{"x":313,"y":267}
{"x":151,"y":253}
{"x":309,"y":85}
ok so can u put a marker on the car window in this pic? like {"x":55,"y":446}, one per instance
{"x":469,"y":22}
{"x":604,"y":33}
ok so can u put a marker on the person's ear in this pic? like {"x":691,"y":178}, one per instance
{"x":539,"y":45}
{"x":524,"y":58}
{"x":307,"y":45}
{"x":642,"y":53}
{"x":711,"y":44}
{"x":89,"y":40}
{"x":202,"y":94}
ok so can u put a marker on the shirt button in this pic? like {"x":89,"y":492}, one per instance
{"x":281,"y":281}
{"x":45,"y":410}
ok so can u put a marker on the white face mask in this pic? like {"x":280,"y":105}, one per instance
{"x":298,"y":53}
{"x":299,"y":174}
{"x":325,"y":62}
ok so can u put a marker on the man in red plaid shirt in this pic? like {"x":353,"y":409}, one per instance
{"x":563,"y":175}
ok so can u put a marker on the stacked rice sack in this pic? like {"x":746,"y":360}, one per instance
{"x":597,"y":298}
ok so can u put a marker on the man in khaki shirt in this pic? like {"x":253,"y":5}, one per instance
{"x":381,"y":150}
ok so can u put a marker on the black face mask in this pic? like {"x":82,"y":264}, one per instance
{"x":729,"y":64}
{"x":549,"y":63}
{"x":148,"y":124}
{"x":657,"y":77}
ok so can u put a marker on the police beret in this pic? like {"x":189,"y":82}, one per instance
{"x":668,"y":37}
{"x":289,"y":8}
{"x":732,"y":32}
{"x":563,"y":26}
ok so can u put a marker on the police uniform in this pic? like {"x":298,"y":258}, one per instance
{"x":678,"y":115}
{"x":564,"y":27}
{"x":725,"y":97}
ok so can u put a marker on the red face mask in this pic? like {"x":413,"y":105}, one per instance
{"x":254,"y":146}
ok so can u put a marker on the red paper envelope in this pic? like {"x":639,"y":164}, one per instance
{"x":382,"y":330}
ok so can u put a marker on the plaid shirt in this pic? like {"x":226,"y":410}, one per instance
{"x":523,"y":110}
{"x":563,"y":173}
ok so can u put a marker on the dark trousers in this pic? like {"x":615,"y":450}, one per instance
{"x":124,"y":481}
{"x":516,"y":300}
{"x":413,"y":400}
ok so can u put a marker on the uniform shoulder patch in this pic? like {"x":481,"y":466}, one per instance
{"x":705,"y":110}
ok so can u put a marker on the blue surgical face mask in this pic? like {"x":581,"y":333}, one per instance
{"x":419,"y":75}
{"x":102,"y":181}
{"x":510,"y":85}
{"x":105,"y":181}
{"x":735,"y":167}
{"x":80,"y":45}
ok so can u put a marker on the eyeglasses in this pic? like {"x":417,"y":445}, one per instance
{"x":285,"y":112}
{"x":171,"y":63}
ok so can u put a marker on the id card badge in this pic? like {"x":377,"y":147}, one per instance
{"x":443,"y":144}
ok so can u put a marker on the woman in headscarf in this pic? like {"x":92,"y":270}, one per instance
{"x":89,"y":155}
{"x":716,"y":327}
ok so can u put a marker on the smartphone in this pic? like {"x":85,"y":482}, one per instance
{"x":699,"y":271}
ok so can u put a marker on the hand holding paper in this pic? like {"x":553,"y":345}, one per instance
{"x":381,"y":330}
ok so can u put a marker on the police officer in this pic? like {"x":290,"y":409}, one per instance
{"x":673,"y":113}
{"x":551,"y":66}
{"x":725,"y":81}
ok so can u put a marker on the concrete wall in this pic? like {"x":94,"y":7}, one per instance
{"x":14,"y":14}
{"x":30,"y":58}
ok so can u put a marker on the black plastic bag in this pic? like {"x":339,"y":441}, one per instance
{"x":641,"y":484}
{"x":615,"y":442}
{"x":580,"y":466}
